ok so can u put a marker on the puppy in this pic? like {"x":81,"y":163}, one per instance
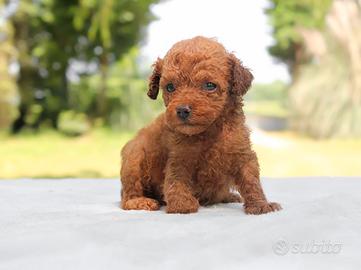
{"x":199,"y":149}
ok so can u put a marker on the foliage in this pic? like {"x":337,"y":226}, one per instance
{"x":72,"y":123}
{"x":326,"y":96}
{"x":112,"y":28}
{"x":320,"y":42}
{"x":9,"y":97}
{"x":57,"y":42}
{"x":128,"y":106}
{"x":287,"y":17}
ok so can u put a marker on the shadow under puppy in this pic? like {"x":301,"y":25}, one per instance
{"x":199,"y":149}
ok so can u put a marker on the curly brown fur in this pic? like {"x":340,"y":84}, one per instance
{"x":184,"y":163}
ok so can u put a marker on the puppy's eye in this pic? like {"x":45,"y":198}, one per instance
{"x":170,"y":87}
{"x":209,"y":86}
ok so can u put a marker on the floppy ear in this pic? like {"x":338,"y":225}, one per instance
{"x":241,"y":77}
{"x":154,"y":79}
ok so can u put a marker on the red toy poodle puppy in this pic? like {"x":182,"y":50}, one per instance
{"x":199,"y":149}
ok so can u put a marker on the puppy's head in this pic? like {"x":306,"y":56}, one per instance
{"x":199,"y":79}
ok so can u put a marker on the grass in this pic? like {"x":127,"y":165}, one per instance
{"x":52,"y":155}
{"x":288,"y":154}
{"x":97,"y":154}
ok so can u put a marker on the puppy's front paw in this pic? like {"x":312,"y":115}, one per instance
{"x":182,"y":205}
{"x":141,"y":203}
{"x":262,"y":208}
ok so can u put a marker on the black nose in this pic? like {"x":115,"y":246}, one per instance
{"x":183,"y":111}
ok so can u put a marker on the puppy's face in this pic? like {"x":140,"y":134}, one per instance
{"x":197,"y":77}
{"x":194,"y":89}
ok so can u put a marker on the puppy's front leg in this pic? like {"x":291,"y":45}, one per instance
{"x":251,"y":190}
{"x":177,"y":188}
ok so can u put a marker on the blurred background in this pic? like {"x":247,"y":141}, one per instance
{"x":73,"y":80}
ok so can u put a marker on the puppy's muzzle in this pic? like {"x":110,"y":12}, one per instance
{"x":184,"y":112}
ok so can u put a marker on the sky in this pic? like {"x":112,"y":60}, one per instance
{"x":240,"y":25}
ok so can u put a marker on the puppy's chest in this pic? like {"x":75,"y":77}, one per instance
{"x":214,"y":161}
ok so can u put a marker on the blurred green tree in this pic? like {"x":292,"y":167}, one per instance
{"x":45,"y":39}
{"x":286,"y":18}
{"x":128,"y":105}
{"x":326,"y":96}
{"x":9,"y":97}
{"x":58,"y":40}
{"x":112,"y":28}
{"x":321,"y":43}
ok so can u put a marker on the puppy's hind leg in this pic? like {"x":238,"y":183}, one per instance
{"x":133,"y":187}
